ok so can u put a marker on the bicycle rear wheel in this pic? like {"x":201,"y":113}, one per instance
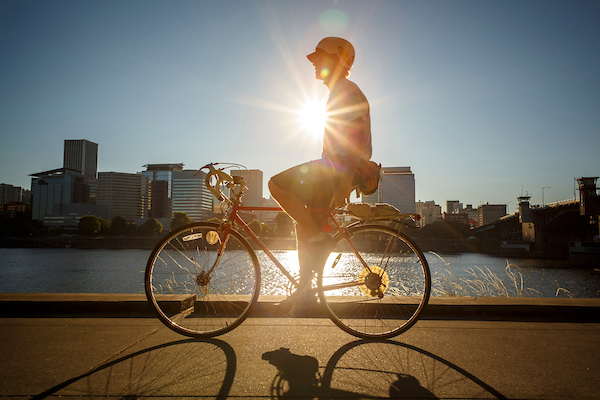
{"x":381,"y":292}
{"x":195,"y":290}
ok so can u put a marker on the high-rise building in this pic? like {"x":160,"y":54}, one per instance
{"x":161,"y":185}
{"x":190,"y":195}
{"x":125,"y":195}
{"x":396,"y":187}
{"x":82,"y":156}
{"x":253,"y":196}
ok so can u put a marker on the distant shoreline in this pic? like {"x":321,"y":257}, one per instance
{"x":442,"y":246}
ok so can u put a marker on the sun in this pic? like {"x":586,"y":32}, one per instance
{"x":312,"y":116}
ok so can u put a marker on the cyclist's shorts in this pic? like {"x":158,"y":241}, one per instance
{"x":313,"y":183}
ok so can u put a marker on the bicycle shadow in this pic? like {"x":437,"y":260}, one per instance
{"x":374,"y":370}
{"x":173,"y":369}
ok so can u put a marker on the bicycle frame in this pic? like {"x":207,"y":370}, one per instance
{"x":236,"y":206}
{"x":201,"y":279}
{"x":233,"y":216}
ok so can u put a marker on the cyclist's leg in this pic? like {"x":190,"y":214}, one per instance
{"x":302,"y":245}
{"x":292,"y":191}
{"x":309,"y":185}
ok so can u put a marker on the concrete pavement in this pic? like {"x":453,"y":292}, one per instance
{"x":116,"y":355}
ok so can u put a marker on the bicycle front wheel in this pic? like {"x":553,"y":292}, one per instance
{"x":200,"y":283}
{"x":376,"y":283}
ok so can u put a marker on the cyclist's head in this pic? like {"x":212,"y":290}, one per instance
{"x":335,"y":52}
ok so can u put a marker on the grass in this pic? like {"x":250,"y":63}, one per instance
{"x":481,"y":282}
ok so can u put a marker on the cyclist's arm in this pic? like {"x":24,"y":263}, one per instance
{"x":354,"y":134}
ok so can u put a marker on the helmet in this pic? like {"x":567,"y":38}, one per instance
{"x":336,"y":46}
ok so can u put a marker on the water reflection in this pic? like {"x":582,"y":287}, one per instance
{"x":121,"y":271}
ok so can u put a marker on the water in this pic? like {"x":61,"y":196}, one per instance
{"x":122,"y":271}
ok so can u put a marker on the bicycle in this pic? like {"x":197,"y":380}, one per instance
{"x":203,"y":278}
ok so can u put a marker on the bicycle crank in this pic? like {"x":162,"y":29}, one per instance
{"x":375,"y":281}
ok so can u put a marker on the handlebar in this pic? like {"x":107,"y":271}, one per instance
{"x":222,"y":178}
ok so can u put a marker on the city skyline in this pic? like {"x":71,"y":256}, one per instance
{"x":485,"y":101}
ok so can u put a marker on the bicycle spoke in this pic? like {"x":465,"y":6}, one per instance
{"x":217,"y":289}
{"x":384,"y":298}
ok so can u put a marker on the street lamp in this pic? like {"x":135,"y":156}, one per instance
{"x":547,"y":187}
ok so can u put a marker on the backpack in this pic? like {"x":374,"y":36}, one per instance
{"x":366,"y":178}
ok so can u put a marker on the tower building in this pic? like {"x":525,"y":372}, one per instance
{"x":161,"y":188}
{"x":396,"y":187}
{"x":253,"y":197}
{"x":82,"y":156}
{"x":125,"y":195}
{"x":190,"y":195}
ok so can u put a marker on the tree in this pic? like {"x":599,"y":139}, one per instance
{"x":284,"y":225}
{"x":104,"y":227}
{"x":256,"y":227}
{"x":118,"y":226}
{"x":151,"y":227}
{"x":180,"y":219}
{"x":89,"y":225}
{"x":265,"y":230}
{"x":215,"y":219}
{"x":132,"y":229}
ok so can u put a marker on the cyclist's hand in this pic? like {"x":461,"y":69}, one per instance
{"x":342,"y":194}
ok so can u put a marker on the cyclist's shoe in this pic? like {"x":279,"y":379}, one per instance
{"x":286,"y":305}
{"x":297,"y":304}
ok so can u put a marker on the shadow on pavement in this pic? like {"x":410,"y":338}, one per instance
{"x":374,"y":370}
{"x":204,"y":367}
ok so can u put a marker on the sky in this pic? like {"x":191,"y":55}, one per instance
{"x":485,"y":101}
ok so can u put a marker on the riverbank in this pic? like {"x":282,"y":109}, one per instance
{"x":442,"y":246}
{"x":439,"y":308}
{"x":81,"y":242}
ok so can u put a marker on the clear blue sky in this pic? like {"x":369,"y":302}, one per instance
{"x":484,"y":100}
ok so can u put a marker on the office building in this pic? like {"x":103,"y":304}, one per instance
{"x":453,"y":206}
{"x":125,"y":195}
{"x":10,"y":193}
{"x":487,"y":213}
{"x":429,"y":212}
{"x":82,"y":156}
{"x":253,"y":196}
{"x":461,"y":218}
{"x":396,"y":187}
{"x":161,"y":185}
{"x":190,"y":195}
{"x":472,"y":215}
{"x":52,"y":190}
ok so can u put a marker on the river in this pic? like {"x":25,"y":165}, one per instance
{"x":122,"y":271}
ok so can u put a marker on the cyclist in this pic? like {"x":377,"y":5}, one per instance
{"x":327,"y":181}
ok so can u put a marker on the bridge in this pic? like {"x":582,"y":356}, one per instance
{"x":556,"y":230}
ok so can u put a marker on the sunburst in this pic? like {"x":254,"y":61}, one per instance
{"x":312,"y":116}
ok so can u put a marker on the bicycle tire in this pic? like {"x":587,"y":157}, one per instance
{"x":386,"y":298}
{"x":189,"y":295}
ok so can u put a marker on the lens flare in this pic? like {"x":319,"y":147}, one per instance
{"x":324,"y":73}
{"x":334,"y":21}
{"x":312,"y":116}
